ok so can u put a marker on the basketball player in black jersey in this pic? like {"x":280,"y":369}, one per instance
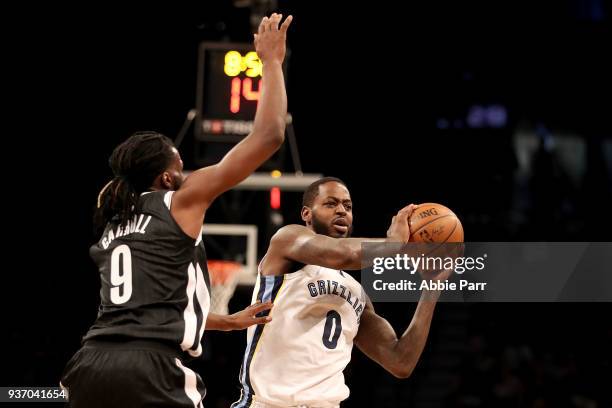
{"x":154,"y":281}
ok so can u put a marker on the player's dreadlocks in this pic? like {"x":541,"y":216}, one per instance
{"x":135,"y":163}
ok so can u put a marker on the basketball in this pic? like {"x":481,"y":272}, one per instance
{"x":435,"y":223}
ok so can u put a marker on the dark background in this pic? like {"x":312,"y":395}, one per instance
{"x":380,"y":97}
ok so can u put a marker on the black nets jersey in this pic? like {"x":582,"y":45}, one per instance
{"x":154,"y":279}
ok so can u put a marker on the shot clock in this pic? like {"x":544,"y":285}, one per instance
{"x":228,"y":89}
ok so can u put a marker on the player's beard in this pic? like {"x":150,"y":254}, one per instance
{"x":322,"y":228}
{"x":177,"y":182}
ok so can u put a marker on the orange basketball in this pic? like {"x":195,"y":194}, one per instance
{"x":434,"y":223}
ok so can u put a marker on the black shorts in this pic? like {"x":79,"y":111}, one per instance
{"x":130,"y":374}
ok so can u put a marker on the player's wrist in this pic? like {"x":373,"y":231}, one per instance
{"x":231,"y":323}
{"x":272,"y":62}
{"x":430,"y":295}
{"x":391,"y":239}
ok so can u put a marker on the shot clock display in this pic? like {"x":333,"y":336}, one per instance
{"x":228,"y":89}
{"x":229,"y":86}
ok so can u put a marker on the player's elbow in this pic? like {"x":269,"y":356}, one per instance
{"x":401,"y":372}
{"x":400,"y":368}
{"x":278,"y":132}
{"x":274,"y":133}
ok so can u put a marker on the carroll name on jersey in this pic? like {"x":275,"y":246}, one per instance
{"x":137,"y":225}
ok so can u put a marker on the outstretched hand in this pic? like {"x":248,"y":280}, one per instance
{"x":248,"y":316}
{"x":270,"y":40}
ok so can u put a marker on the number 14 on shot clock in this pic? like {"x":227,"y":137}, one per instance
{"x":247,"y":87}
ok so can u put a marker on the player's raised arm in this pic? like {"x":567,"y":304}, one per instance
{"x":300,"y":244}
{"x":378,"y":340}
{"x":204,"y":185}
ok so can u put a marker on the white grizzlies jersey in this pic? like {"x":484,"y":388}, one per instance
{"x":298,"y":358}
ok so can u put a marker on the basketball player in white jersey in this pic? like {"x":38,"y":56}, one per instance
{"x":297,"y":359}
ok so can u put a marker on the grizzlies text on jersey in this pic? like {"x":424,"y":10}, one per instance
{"x":298,"y":358}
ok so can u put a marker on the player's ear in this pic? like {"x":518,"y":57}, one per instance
{"x":306,"y":215}
{"x":166,"y":180}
